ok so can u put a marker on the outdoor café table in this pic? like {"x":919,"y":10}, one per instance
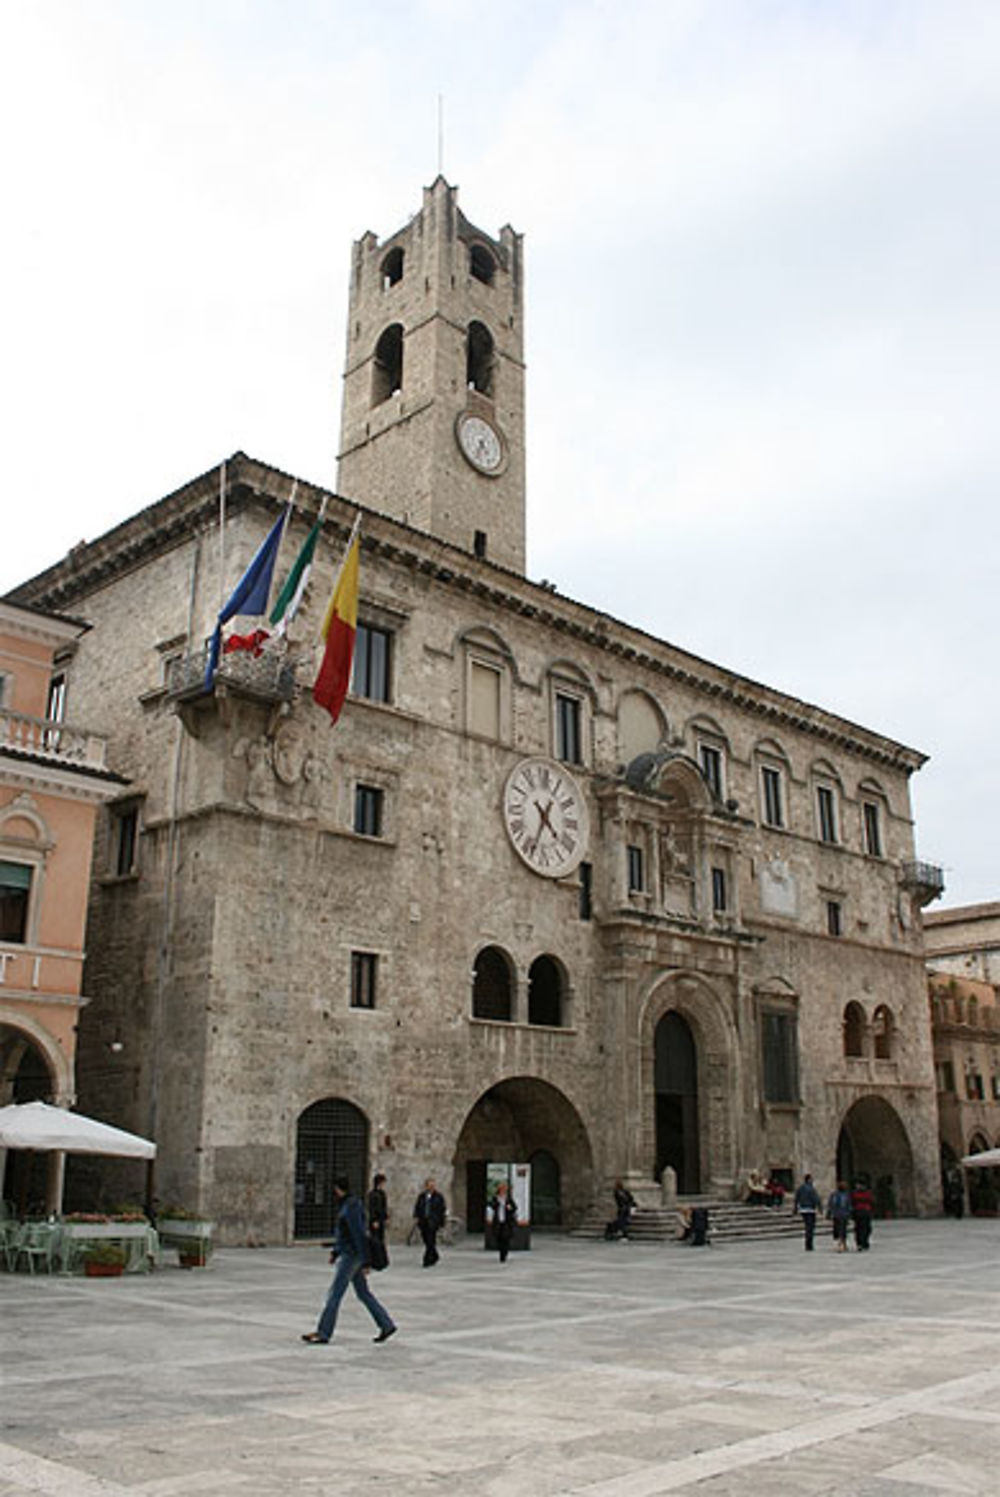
{"x":138,"y":1239}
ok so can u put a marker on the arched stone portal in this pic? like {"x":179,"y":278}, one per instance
{"x":873,"y":1142}
{"x":331,"y":1140}
{"x":514,"y":1121}
{"x":676,"y":1079}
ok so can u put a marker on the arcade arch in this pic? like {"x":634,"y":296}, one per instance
{"x":873,"y":1141}
{"x":520,"y":1120}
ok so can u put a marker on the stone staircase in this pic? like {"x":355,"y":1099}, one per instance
{"x":728,"y":1221}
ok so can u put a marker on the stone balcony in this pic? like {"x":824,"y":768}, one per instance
{"x":267,"y":676}
{"x":55,"y":742}
{"x":923,"y":880}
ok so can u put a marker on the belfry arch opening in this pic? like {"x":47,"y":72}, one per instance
{"x":873,"y":1144}
{"x":515,"y":1122}
{"x":479,"y":358}
{"x":676,"y":1087}
{"x":482,"y":264}
{"x":387,"y":365}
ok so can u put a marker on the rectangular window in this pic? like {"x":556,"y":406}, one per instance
{"x":372,"y":662}
{"x":568,"y":737}
{"x":484,"y":699}
{"x":826,"y":806}
{"x":946,"y":1076}
{"x":873,"y":830}
{"x":711,"y":767}
{"x":3,"y":689}
{"x":125,"y":824}
{"x":636,"y":882}
{"x":586,"y":891}
{"x":996,"y":1088}
{"x":364,"y":968}
{"x":774,"y":812}
{"x":55,"y":709}
{"x":15,"y":891}
{"x":781,"y":1068}
{"x":720,"y":903}
{"x":834,"y":918}
{"x":368,"y":810}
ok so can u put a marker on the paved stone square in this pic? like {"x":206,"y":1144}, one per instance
{"x":586,"y":1368}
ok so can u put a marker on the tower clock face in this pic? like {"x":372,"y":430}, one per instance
{"x":545,"y":815}
{"x":480,"y":443}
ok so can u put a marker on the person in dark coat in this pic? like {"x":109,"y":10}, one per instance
{"x":624,"y":1206}
{"x":862,"y":1209}
{"x":502,"y":1212}
{"x":350,"y":1254}
{"x":807,"y":1203}
{"x":838,"y":1209}
{"x":378,"y":1220}
{"x":429,"y":1214}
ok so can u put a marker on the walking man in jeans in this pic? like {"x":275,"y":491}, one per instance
{"x":807,"y":1203}
{"x":350,"y":1253}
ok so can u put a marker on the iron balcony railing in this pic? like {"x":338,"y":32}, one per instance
{"x":268,"y":675}
{"x":923,"y":879}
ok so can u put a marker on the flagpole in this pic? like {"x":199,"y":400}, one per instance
{"x":222,"y":535}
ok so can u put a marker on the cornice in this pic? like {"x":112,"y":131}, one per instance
{"x":194,"y":507}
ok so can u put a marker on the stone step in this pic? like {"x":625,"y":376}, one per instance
{"x":727,"y":1221}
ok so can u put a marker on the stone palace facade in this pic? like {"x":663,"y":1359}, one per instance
{"x":551,"y":890}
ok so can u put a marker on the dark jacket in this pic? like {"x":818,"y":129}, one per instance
{"x":504,"y":1227}
{"x":351,"y":1236}
{"x":430,"y":1209}
{"x":378,"y":1210}
{"x":807,"y":1197}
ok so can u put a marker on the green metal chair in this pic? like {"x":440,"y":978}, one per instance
{"x":37,"y":1243}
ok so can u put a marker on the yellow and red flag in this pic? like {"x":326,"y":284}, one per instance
{"x":340,"y":625}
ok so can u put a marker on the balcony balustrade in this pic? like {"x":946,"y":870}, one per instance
{"x":45,"y":738}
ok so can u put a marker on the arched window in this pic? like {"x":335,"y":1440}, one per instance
{"x":387,"y":370}
{"x":854,"y":1029}
{"x":545,"y":992}
{"x":492,"y":985}
{"x":482,"y":264}
{"x":882,"y":1028}
{"x":392,"y":268}
{"x":479,"y":358}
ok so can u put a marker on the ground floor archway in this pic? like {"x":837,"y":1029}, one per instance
{"x":873,"y":1143}
{"x":25,"y":1076}
{"x":522,"y":1120}
{"x":331,"y":1140}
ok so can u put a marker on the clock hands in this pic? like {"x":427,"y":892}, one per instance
{"x":543,"y":813}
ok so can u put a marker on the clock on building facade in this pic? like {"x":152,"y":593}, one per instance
{"x":545,"y":816}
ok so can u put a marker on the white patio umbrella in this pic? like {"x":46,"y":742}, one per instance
{"x":37,"y":1126}
{"x":983,"y":1161}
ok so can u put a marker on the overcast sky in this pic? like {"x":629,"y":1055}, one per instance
{"x":762,"y":305}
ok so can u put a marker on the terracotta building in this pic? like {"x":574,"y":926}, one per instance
{"x":552,"y":890}
{"x":52,"y":780}
{"x":963,"y":957}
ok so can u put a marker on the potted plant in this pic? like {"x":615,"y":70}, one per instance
{"x":105,"y":1260}
{"x":188,"y":1232}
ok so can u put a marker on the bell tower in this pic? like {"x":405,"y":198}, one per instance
{"x":432,"y":427}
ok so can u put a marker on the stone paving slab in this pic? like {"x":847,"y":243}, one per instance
{"x":580,"y":1369}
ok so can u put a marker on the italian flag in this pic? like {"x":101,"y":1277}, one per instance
{"x":286,"y":604}
{"x":339,"y":628}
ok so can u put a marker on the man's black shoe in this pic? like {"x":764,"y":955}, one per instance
{"x":386,"y":1333}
